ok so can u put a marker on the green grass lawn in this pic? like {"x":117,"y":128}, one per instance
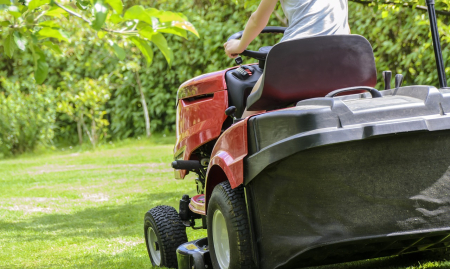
{"x":85,"y":209}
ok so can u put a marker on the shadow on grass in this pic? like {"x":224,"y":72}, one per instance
{"x":126,"y":220}
{"x":104,"y":221}
{"x":96,"y":224}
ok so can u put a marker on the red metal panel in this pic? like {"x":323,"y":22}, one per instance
{"x":198,"y":122}
{"x":229,"y":153}
{"x":204,"y":84}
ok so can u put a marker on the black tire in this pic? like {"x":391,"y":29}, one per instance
{"x":231,"y":204}
{"x":170,"y":233}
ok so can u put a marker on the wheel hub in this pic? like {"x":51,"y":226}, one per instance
{"x":221,"y":240}
{"x":154,"y":246}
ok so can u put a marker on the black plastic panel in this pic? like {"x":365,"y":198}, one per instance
{"x":355,"y":200}
{"x":323,"y":121}
{"x":194,"y":254}
{"x":238,"y":89}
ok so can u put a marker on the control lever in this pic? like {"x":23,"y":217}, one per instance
{"x":230,"y":113}
{"x":398,"y":80}
{"x":387,"y":76}
{"x":238,"y":60}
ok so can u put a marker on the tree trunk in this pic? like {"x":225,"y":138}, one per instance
{"x":94,"y":129}
{"x":144,"y":106}
{"x":87,"y":131}
{"x":80,"y":131}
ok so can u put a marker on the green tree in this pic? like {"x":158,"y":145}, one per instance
{"x":34,"y":25}
{"x":399,"y":35}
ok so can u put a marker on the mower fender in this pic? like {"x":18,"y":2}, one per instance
{"x":227,"y":159}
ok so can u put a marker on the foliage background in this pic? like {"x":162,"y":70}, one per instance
{"x":400,"y":37}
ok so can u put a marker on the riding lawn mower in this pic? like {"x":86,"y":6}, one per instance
{"x":333,"y":171}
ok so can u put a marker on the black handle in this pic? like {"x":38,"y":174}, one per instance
{"x":186,"y":165}
{"x":266,"y":30}
{"x":255,"y":54}
{"x":398,"y":80}
{"x":230,"y":111}
{"x":374,"y":92}
{"x":387,"y":76}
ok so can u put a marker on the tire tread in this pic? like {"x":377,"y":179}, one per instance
{"x":238,"y":209}
{"x":170,"y":230}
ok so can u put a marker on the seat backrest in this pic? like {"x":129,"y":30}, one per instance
{"x":312,"y":67}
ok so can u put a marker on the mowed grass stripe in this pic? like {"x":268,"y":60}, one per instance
{"x":84,"y":209}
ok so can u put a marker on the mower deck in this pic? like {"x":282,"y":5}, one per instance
{"x":371,"y":247}
{"x":195,"y":254}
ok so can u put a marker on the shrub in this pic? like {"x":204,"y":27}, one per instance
{"x":26,"y":117}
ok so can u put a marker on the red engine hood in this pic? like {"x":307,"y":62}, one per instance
{"x":204,"y":84}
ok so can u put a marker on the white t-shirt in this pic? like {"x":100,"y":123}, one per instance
{"x":315,"y":18}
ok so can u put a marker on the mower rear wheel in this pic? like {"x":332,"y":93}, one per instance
{"x":228,"y":228}
{"x":164,"y":233}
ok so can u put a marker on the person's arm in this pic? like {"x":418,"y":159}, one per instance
{"x":258,"y":20}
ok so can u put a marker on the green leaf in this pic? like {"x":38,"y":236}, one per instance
{"x":55,"y":11}
{"x":34,"y":38}
{"x":5,"y":23}
{"x":51,"y":24}
{"x":41,"y":66}
{"x":20,"y":41}
{"x":5,"y":2}
{"x":175,"y":31}
{"x":14,"y":10}
{"x":101,"y":34}
{"x":153,"y":12}
{"x":52,"y":46}
{"x":9,"y":45}
{"x":137,"y":13}
{"x":185,"y":26}
{"x":22,"y":8}
{"x":115,"y":18}
{"x":54,"y":33}
{"x":101,"y":12}
{"x":120,"y":52}
{"x":167,"y":16}
{"x":37,"y":3}
{"x":159,"y":40}
{"x":117,"y":5}
{"x":144,"y":48}
{"x":41,"y":72}
{"x":82,"y":4}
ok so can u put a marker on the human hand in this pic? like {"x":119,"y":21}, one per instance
{"x":232,"y":48}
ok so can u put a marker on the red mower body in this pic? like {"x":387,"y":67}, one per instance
{"x":200,"y":114}
{"x":200,"y":119}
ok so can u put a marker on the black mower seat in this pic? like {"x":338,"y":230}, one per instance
{"x":312,"y":67}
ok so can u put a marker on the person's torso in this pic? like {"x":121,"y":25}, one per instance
{"x":315,"y":18}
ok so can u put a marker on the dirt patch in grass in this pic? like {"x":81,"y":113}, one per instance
{"x":95,"y":197}
{"x":27,"y":209}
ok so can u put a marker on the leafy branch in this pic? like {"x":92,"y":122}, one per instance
{"x":34,"y":24}
{"x":89,"y":22}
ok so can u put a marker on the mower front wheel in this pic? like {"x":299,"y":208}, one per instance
{"x":164,"y":233}
{"x":228,"y":228}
